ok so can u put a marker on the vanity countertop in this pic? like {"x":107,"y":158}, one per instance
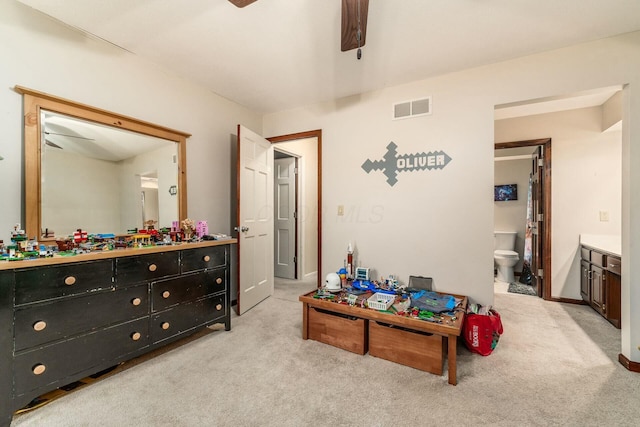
{"x":606,"y":242}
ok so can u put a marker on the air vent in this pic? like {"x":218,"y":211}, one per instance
{"x":415,"y":108}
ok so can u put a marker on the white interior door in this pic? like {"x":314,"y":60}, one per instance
{"x":285,"y":217}
{"x":255,"y":219}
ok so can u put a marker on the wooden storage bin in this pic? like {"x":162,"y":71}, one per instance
{"x":417,"y":349}
{"x":339,"y":330}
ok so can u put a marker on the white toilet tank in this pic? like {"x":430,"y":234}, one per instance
{"x":505,"y":240}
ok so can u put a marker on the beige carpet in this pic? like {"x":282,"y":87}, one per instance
{"x":556,"y":364}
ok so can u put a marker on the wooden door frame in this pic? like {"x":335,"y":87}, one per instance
{"x":546,"y":237}
{"x":305,"y":135}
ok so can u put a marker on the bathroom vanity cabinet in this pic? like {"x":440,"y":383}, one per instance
{"x":600,"y":282}
{"x":63,"y":319}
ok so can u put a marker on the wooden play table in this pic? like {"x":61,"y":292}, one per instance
{"x":364,"y":320}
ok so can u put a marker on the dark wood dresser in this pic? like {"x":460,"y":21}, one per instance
{"x":64,"y":318}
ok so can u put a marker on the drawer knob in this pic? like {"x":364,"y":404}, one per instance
{"x":153,"y":267}
{"x":219,"y":280}
{"x":136,"y":301}
{"x":166,"y":294}
{"x":39,"y":369}
{"x":165,"y":325}
{"x":135,"y":336}
{"x":69,"y":280}
{"x":206,"y":258}
{"x":219,"y":307}
{"x":39,"y":325}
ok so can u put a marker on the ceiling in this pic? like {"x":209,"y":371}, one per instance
{"x":71,"y":135}
{"x":275,"y":55}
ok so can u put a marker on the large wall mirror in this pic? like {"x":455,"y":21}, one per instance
{"x":97,"y":170}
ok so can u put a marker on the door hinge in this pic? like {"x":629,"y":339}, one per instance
{"x":295,"y":259}
{"x":540,"y":162}
{"x":540,"y":272}
{"x":295,"y":215}
{"x":540,"y":217}
{"x":295,"y":170}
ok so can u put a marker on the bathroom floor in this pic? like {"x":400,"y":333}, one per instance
{"x":500,"y":287}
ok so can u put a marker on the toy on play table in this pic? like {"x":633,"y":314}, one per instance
{"x":343,"y":277}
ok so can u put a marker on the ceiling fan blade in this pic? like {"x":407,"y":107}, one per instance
{"x":52,"y":144}
{"x":350,"y":17}
{"x":68,"y":136}
{"x":242,"y":3}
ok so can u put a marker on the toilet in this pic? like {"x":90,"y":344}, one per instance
{"x":504,"y":255}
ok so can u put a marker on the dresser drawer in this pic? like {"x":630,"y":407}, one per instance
{"x":170,"y":292}
{"x":38,"y":324}
{"x":42,"y":283}
{"x":585,"y":254}
{"x":145,"y":268}
{"x":54,"y":363}
{"x":598,"y":259}
{"x":614,"y":265}
{"x":201,"y":258}
{"x":185,"y":317}
{"x":419,"y":350}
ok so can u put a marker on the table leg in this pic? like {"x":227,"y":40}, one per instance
{"x":451,"y":358}
{"x":305,"y":320}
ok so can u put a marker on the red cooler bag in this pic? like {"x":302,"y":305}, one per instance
{"x":482,"y":332}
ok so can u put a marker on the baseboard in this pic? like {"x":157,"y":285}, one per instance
{"x":566,"y":300}
{"x":629,"y":364}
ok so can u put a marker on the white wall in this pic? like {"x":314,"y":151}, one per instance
{"x":65,"y":186}
{"x":427,"y":223}
{"x":512,"y":215}
{"x":586,"y":179}
{"x":440,"y":223}
{"x":161,"y":163}
{"x":49,"y":57}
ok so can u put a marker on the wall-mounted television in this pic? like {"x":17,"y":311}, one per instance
{"x":506,"y":192}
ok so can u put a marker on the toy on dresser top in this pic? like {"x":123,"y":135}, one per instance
{"x":81,"y":241}
{"x":21,"y":246}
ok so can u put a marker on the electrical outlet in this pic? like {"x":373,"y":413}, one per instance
{"x":604,"y":216}
{"x":340,"y":210}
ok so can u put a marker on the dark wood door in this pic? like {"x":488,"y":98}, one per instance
{"x":597,"y":289}
{"x":537,"y":230}
{"x":613,"y":298}
{"x":585,"y":286}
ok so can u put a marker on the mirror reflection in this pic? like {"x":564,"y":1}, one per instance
{"x":104,"y":179}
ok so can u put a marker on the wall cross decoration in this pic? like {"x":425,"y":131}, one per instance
{"x":392,"y":163}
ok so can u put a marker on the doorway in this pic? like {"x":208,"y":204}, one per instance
{"x":285,"y":214}
{"x":307,"y":147}
{"x":539,"y":151}
{"x":149,"y":199}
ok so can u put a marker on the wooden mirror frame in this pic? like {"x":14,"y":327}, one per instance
{"x":34,"y":101}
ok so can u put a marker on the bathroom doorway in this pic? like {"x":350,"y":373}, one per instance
{"x":537,"y":153}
